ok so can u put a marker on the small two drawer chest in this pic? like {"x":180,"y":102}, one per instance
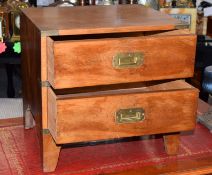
{"x":105,"y":72}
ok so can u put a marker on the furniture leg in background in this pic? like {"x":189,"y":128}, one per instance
{"x":10,"y":60}
{"x":10,"y":84}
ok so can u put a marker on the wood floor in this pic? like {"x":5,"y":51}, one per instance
{"x":11,"y":122}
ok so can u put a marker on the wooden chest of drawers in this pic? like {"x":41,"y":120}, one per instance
{"x":105,"y":72}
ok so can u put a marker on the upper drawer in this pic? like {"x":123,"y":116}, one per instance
{"x":102,"y":61}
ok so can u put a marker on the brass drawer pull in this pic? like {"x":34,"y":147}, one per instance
{"x":130,"y":115}
{"x":128,"y":60}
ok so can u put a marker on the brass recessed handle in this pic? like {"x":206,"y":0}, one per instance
{"x":128,"y":60}
{"x":130,"y":115}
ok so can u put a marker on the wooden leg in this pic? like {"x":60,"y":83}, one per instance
{"x":10,"y":86}
{"x":50,"y":152}
{"x":172,"y":142}
{"x":29,"y":121}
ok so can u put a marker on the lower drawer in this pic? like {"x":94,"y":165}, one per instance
{"x":165,"y":108}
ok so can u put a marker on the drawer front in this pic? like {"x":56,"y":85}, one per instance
{"x":121,"y":115}
{"x":119,"y":60}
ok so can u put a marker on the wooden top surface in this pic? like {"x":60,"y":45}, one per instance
{"x":98,"y":19}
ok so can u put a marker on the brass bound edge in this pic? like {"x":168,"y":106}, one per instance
{"x":50,"y":33}
{"x":182,"y":26}
{"x":45,"y":131}
{"x":45,"y":84}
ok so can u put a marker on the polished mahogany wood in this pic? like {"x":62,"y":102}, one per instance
{"x":105,"y":19}
{"x":92,"y":117}
{"x":50,"y":153}
{"x":62,"y":116}
{"x":31,"y":71}
{"x":33,"y":65}
{"x":172,"y":143}
{"x":89,"y":62}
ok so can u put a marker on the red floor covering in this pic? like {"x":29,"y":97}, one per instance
{"x":19,"y":153}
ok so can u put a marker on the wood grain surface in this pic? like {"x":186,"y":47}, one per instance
{"x":78,"y":63}
{"x":87,"y":62}
{"x":50,"y":153}
{"x":172,"y":143}
{"x":11,"y":121}
{"x":147,"y":87}
{"x":105,"y":19}
{"x":93,"y":118}
{"x":31,"y":70}
{"x":34,"y":96}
